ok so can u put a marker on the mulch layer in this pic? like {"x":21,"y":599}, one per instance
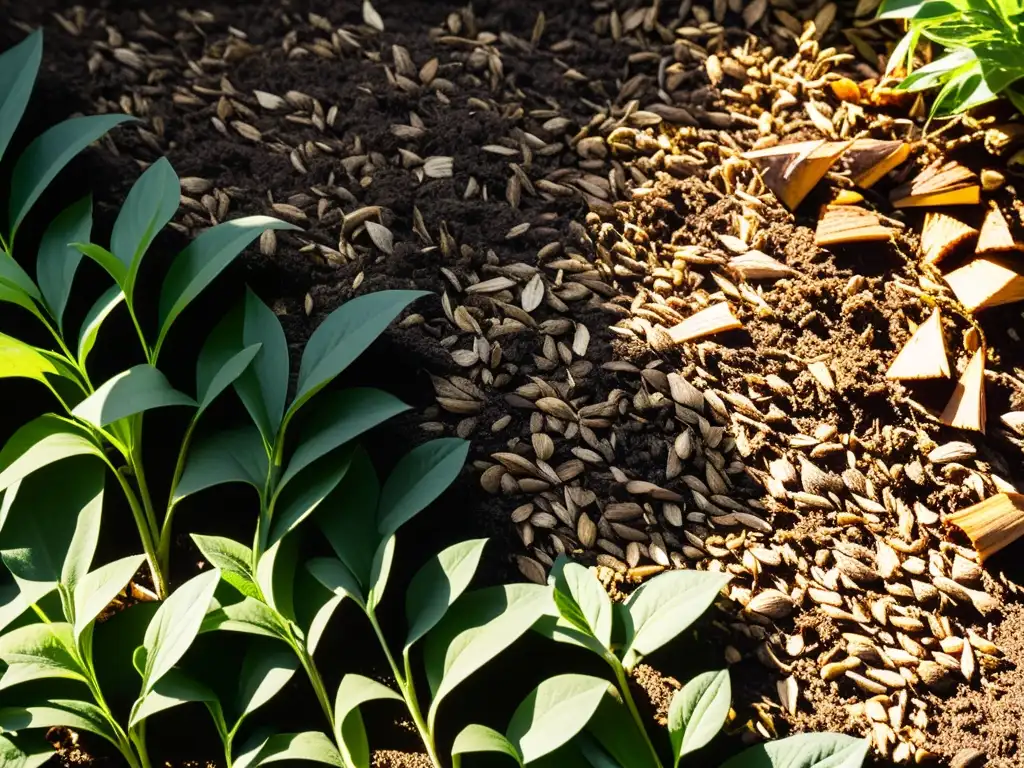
{"x":565,"y":178}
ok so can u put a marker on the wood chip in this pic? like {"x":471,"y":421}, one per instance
{"x":849,"y":224}
{"x":924,"y":355}
{"x":992,"y":524}
{"x":941,"y":235}
{"x":939,"y":184}
{"x":708,"y":321}
{"x":792,"y":170}
{"x":986,"y":282}
{"x":869,"y":160}
{"x":995,"y":234}
{"x":966,"y":408}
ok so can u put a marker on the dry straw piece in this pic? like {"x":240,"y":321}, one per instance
{"x":992,"y":524}
{"x":941,"y":235}
{"x":756,"y":265}
{"x":995,"y":234}
{"x":939,"y":184}
{"x":966,"y":408}
{"x":713,"y":319}
{"x":924,"y":355}
{"x":849,"y":224}
{"x":792,"y":170}
{"x":868,"y":160}
{"x":986,"y":282}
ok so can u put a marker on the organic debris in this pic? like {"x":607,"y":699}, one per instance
{"x":849,"y":224}
{"x":941,"y":235}
{"x":995,"y":235}
{"x":941,"y":183}
{"x":868,"y":160}
{"x":986,"y":282}
{"x":992,"y":524}
{"x":791,"y":171}
{"x":714,"y":319}
{"x":966,"y":408}
{"x":924,"y":355}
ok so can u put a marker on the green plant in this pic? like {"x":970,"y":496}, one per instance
{"x":102,"y":420}
{"x":61,"y":648}
{"x":984,"y":58}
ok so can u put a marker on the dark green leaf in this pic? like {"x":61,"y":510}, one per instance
{"x":480,"y":738}
{"x":77,"y":715}
{"x":250,"y":616}
{"x":18,"y":752}
{"x":18,"y":68}
{"x":265,"y":671}
{"x":136,"y":390}
{"x":337,"y":578}
{"x":82,"y":547}
{"x":311,"y":745}
{"x":349,"y":733}
{"x":619,"y":736}
{"x":58,"y":261}
{"x":275,"y":574}
{"x":205,"y":258}
{"x":233,"y":559}
{"x":900,"y":9}
{"x":806,"y":750}
{"x":666,"y":605}
{"x":554,"y":712}
{"x":207,"y":391}
{"x":38,"y":652}
{"x":11,"y":294}
{"x":175,"y":626}
{"x":150,"y":205}
{"x":104,"y":305}
{"x":348,"y":518}
{"x":335,"y":419}
{"x":478,"y":627}
{"x":110,"y":263}
{"x":379,"y":571}
{"x":263,"y":387}
{"x":300,"y":500}
{"x":343,"y":336}
{"x":438,"y":584}
{"x":48,"y":154}
{"x":698,"y":712}
{"x":420,"y":476}
{"x":174,"y":689}
{"x":98,"y":588}
{"x":235,"y":456}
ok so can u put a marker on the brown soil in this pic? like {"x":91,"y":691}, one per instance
{"x":306,"y":277}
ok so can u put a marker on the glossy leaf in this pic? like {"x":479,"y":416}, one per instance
{"x":480,"y":738}
{"x":42,"y":441}
{"x":136,"y":390}
{"x":58,"y":261}
{"x":108,"y":261}
{"x":77,"y":715}
{"x":174,"y":689}
{"x":98,"y":588}
{"x":698,"y":711}
{"x":300,"y":500}
{"x":38,"y":652}
{"x":263,"y":387}
{"x":380,"y":570}
{"x":665,"y":606}
{"x":18,"y":68}
{"x":250,"y":616}
{"x":225,"y":376}
{"x":583,"y":602}
{"x":348,"y":518}
{"x":235,"y":456}
{"x":336,"y":418}
{"x":275,"y":573}
{"x":265,"y":671}
{"x":438,"y":584}
{"x":175,"y":626}
{"x":205,"y":258}
{"x":99,"y":312}
{"x":900,"y":9}
{"x":349,"y":732}
{"x":12,"y":755}
{"x":337,"y":578}
{"x":233,"y":559}
{"x":806,"y":750}
{"x":82,"y":548}
{"x":618,"y":735}
{"x":48,"y":154}
{"x":310,"y":745}
{"x":149,"y":206}
{"x":343,"y":336}
{"x":478,"y":627}
{"x":420,"y":476}
{"x":12,"y":294}
{"x":23,"y":361}
{"x":554,"y":712}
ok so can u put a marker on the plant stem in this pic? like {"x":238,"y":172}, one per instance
{"x":150,"y":358}
{"x":623,"y":681}
{"x":138,"y":737}
{"x":406,"y":686}
{"x":148,"y":545}
{"x":317,"y":682}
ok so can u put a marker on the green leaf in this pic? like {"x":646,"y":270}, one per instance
{"x":18,"y":68}
{"x":233,"y":559}
{"x":348,"y":518}
{"x":583,"y":602}
{"x":335,"y":419}
{"x":263,"y":387}
{"x":806,"y":750}
{"x":23,"y":361}
{"x":235,"y":456}
{"x":265,"y":671}
{"x":900,"y":9}
{"x":380,"y":570}
{"x":698,"y":712}
{"x":480,"y":738}
{"x":438,"y":584}
{"x":595,"y":754}
{"x":205,"y":258}
{"x":77,"y":715}
{"x":175,"y":626}
{"x":13,"y":756}
{"x":58,"y":261}
{"x":311,"y":745}
{"x":82,"y":548}
{"x":275,"y":573}
{"x":99,"y":311}
{"x":349,"y":733}
{"x":666,"y":605}
{"x":47,"y":155}
{"x":98,"y":588}
{"x":300,"y":500}
{"x":554,"y":712}
{"x":110,"y":263}
{"x":38,"y":652}
{"x":478,"y":627}
{"x":250,"y":616}
{"x":150,"y":205}
{"x":12,"y":294}
{"x":207,"y":391}
{"x":337,"y":578}
{"x":35,"y":546}
{"x":138,"y":389}
{"x":619,"y":736}
{"x":343,"y":336}
{"x":174,"y":689}
{"x":420,"y":476}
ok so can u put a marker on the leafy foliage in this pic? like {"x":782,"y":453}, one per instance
{"x":984,"y":50}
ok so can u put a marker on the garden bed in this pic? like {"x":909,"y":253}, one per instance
{"x":463,"y":127}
